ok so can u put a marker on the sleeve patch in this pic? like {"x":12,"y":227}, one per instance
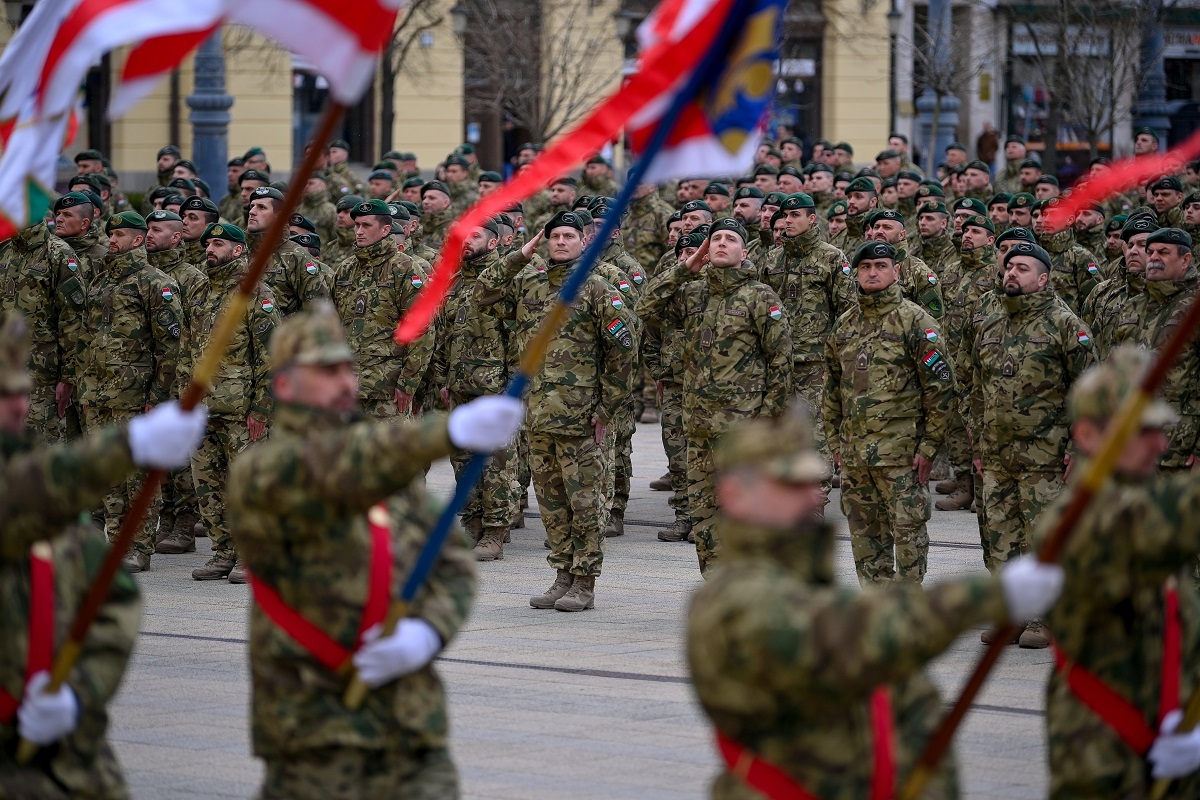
{"x":618,"y":330}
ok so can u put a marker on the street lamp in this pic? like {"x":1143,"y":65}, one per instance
{"x":458,"y":17}
{"x":893,"y":20}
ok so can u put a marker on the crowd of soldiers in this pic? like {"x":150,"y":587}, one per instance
{"x":797,"y":328}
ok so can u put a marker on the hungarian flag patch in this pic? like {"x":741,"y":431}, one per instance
{"x":623,"y":285}
{"x":845,"y":267}
{"x":932,"y":279}
{"x":72,"y":264}
{"x":417,"y":282}
{"x":774,"y":313}
{"x":1092,"y":268}
{"x":310,"y":268}
{"x":1083,"y":338}
{"x":931,"y":334}
{"x":167,"y":294}
{"x":268,"y":306}
{"x":616,"y":303}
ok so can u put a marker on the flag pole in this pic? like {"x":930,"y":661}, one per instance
{"x":535,"y":352}
{"x":202,"y":376}
{"x":1119,"y":431}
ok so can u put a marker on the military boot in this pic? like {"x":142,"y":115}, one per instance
{"x":182,"y":538}
{"x":166,"y":522}
{"x":238,"y":573}
{"x":216,"y":568}
{"x":960,"y":500}
{"x":616,"y":525}
{"x":989,"y":635}
{"x":557,"y":589}
{"x":580,"y":597}
{"x":518,"y":520}
{"x":1036,"y":636}
{"x":474,"y":527}
{"x":947,"y":486}
{"x":662,"y":484}
{"x":136,"y":561}
{"x":678,"y":532}
{"x":491,"y":545}
{"x":650,"y":415}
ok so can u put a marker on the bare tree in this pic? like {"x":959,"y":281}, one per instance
{"x":417,"y":18}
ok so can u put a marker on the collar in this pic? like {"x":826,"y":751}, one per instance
{"x":879,"y":303}
{"x":805,"y":550}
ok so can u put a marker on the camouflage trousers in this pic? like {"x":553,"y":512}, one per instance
{"x":702,"y":498}
{"x":494,"y":499}
{"x":222,"y":442}
{"x":64,"y":773}
{"x":568,"y":476}
{"x":120,"y":497}
{"x":618,"y":461}
{"x":347,"y":773}
{"x":958,"y":446}
{"x":809,"y":382}
{"x":521,"y":466}
{"x":887,"y":510}
{"x":1013,"y":502}
{"x":43,"y":414}
{"x":381,"y":409}
{"x":675,"y":444}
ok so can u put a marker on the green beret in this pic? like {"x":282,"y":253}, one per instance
{"x":1016,"y":235}
{"x":91,"y":179}
{"x":252,"y":152}
{"x":1031,"y":163}
{"x":371,"y":208}
{"x":163,"y":216}
{"x":126,"y":219}
{"x":301,"y":221}
{"x":676,"y":216}
{"x":1047,"y":179}
{"x":1024,"y":248}
{"x":320,"y":175}
{"x":794,"y":202}
{"x":956,"y":146}
{"x":873,"y":250}
{"x":466,"y":148}
{"x":168,"y":150}
{"x":253,"y":175}
{"x":566,"y":180}
{"x":1170,"y":236}
{"x":729,"y":224}
{"x":585,"y":216}
{"x":1014,"y":138}
{"x":766,"y":169}
{"x":927,"y":190}
{"x":888,"y":183}
{"x":748,"y":192}
{"x":1166,"y":183}
{"x":435,"y":186}
{"x":884,"y":155}
{"x":821,"y":166}
{"x":221,"y":230}
{"x":774,"y":199}
{"x":384,"y":166}
{"x":844,"y":146}
{"x":980,"y":221}
{"x":70,"y":200}
{"x":1021,"y":200}
{"x":236,"y":162}
{"x":182,"y":183}
{"x":970,"y":204}
{"x":413,"y":183}
{"x":340,"y":144}
{"x":1001,"y":199}
{"x":380,"y":175}
{"x":349,"y":201}
{"x":174,"y":199}
{"x":979,"y":165}
{"x":861,"y":185}
{"x":717,"y":188}
{"x":1149,"y":131}
{"x":908,"y":175}
{"x":696,"y":205}
{"x":1116,"y":223}
{"x":566,"y":219}
{"x":838,"y":209}
{"x":933,"y":207}
{"x":265,"y":192}
{"x":790,"y":140}
{"x":458,"y":161}
{"x":412,"y":208}
{"x":790,"y":170}
{"x":885,"y":214}
{"x":399,"y":212}
{"x":306,"y":240}
{"x":89,"y":155}
{"x":491,"y":177}
{"x":92,"y":197}
{"x":1138,"y":223}
{"x":1194,"y":197}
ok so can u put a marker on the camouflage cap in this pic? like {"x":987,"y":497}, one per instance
{"x":1017,"y":234}
{"x":1103,"y":388}
{"x":838,"y":209}
{"x":1175,"y":236}
{"x":348,"y":202}
{"x":783,"y":448}
{"x":797,"y":201}
{"x":221,"y":230}
{"x":1024,"y":248}
{"x":310,"y":240}
{"x":371,"y":208}
{"x":774,"y":199}
{"x":1116,"y":223}
{"x":14,"y":353}
{"x":861,"y":185}
{"x":163,"y":216}
{"x":1021,"y":200}
{"x":873,"y":250}
{"x":979,"y":221}
{"x":309,"y":338}
{"x":1138,"y":223}
{"x":70,"y":200}
{"x":970,"y":204}
{"x":729,"y":224}
{"x":126,"y":219}
{"x":301,"y":221}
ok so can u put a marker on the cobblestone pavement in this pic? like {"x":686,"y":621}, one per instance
{"x":608,"y":687}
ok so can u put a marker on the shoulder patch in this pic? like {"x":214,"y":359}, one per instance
{"x":268,"y":306}
{"x":774,"y":312}
{"x":417,"y":282}
{"x":931,"y":334}
{"x":167,"y":294}
{"x":1084,"y":339}
{"x":618,"y":330}
{"x":72,"y":265}
{"x":1092,"y":268}
{"x":616,"y":302}
{"x":932,"y":278}
{"x":623,"y":285}
{"x":310,"y":268}
{"x":845,"y":267}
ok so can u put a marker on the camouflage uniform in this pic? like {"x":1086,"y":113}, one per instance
{"x":39,"y":275}
{"x":90,"y":249}
{"x":1112,"y":305}
{"x":853,"y":235}
{"x":231,"y":209}
{"x":132,"y":349}
{"x":434,"y":228}
{"x":1016,"y":369}
{"x":316,"y":207}
{"x":644,"y":230}
{"x":920,"y":284}
{"x":338,"y":248}
{"x":463,"y":195}
{"x":939,"y":253}
{"x":371,"y":292}
{"x":1008,"y":180}
{"x":587,"y":374}
{"x":295,"y":278}
{"x":737,"y":358}
{"x":888,"y":395}
{"x":299,"y":505}
{"x":42,"y":492}
{"x":1074,"y":272}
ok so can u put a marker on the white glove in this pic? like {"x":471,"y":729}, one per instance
{"x":1030,"y":587}
{"x":486,"y":423}
{"x":1174,"y":755}
{"x":412,"y":646}
{"x":166,"y":437}
{"x":45,"y":718}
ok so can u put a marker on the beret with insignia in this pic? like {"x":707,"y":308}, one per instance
{"x":566,"y":219}
{"x":838,"y":209}
{"x":1021,"y":200}
{"x":1167,"y":183}
{"x":979,"y":221}
{"x":774,"y":199}
{"x":435,"y":186}
{"x":1116,"y":223}
{"x":933,"y":207}
{"x":308,"y":240}
{"x":1016,"y":235}
{"x":1170,"y":236}
{"x":163,"y":216}
{"x":413,"y":183}
{"x":861,"y":185}
{"x":751,"y":192}
{"x":1001,"y":199}
{"x":728,"y":224}
{"x":926,"y":190}
{"x":70,"y":200}
{"x":873,"y":250}
{"x":799,"y":200}
{"x":696,"y":205}
{"x":169,"y":150}
{"x":349,"y":201}
{"x":301,"y":221}
{"x":884,"y":155}
{"x":1027,"y":249}
{"x":220,"y":230}
{"x":717,"y":188}
{"x":399,"y":212}
{"x":371,"y":208}
{"x":265,"y":192}
{"x":254,"y":175}
{"x":126,"y":219}
{"x":970,"y":204}
{"x":766,"y":169}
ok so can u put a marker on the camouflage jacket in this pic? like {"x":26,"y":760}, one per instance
{"x":1148,"y":322}
{"x":784,"y":661}
{"x":1113,"y":305}
{"x":736,"y":339}
{"x":1008,"y":180}
{"x":853,"y":235}
{"x":230,"y":208}
{"x":133,"y":335}
{"x":342,"y":180}
{"x":90,"y":250}
{"x":39,"y":275}
{"x":298,"y":505}
{"x":193,"y":292}
{"x":1074,"y":272}
{"x":940,"y":253}
{"x":920,"y":284}
{"x":974,"y":276}
{"x":472,"y":356}
{"x":463,"y":195}
{"x":536,"y":206}
{"x":196,"y":254}
{"x":1134,"y":536}
{"x":43,"y":489}
{"x":813,"y":280}
{"x":889,"y":385}
{"x":241,"y":386}
{"x":337,"y":249}
{"x":589,"y":366}
{"x":644,"y":230}
{"x":601,"y":186}
{"x":434,"y":228}
{"x":316,"y":206}
{"x":1092,"y":240}
{"x":371,"y":292}
{"x":295,"y":277}
{"x":1016,"y":370}
{"x":615,"y":254}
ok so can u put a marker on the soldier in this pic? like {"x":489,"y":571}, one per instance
{"x":248,"y":182}
{"x":737,"y":357}
{"x":978,"y":178}
{"x":321,"y":509}
{"x":380,"y":184}
{"x":240,"y":399}
{"x":861,"y":198}
{"x":1113,"y":699}
{"x":1167,"y":195}
{"x":1113,"y":304}
{"x":75,"y":224}
{"x":718,"y":198}
{"x":1046,"y":188}
{"x":837,"y":219}
{"x":1089,"y":230}
{"x":1020,"y":211}
{"x":462,"y":189}
{"x":437,"y":213}
{"x":587,"y":374}
{"x":342,"y":178}
{"x":766,"y":178}
{"x":1113,"y":250}
{"x":317,"y":207}
{"x":341,"y":246}
{"x":371,"y":292}
{"x":164,"y":248}
{"x":997,"y":209}
{"x":310,"y":242}
{"x":747,"y":207}
{"x":808,"y":682}
{"x":471,"y":360}
{"x":296,"y":280}
{"x":48,"y":561}
{"x":1075,"y":271}
{"x":1009,"y":180}
{"x":598,"y":178}
{"x":167,"y":158}
{"x":888,"y":392}
{"x":1016,"y":370}
{"x":918,"y":282}
{"x":132,"y":346}
{"x":645,"y":227}
{"x":561,"y":197}
{"x":197,"y":214}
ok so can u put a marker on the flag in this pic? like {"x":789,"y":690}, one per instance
{"x":727,"y":41}
{"x":32,"y":143}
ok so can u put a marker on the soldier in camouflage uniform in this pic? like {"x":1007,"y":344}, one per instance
{"x":318,"y":208}
{"x":167,"y":158}
{"x":1075,"y":271}
{"x":43,"y":490}
{"x":1113,"y":250}
{"x":747,"y":209}
{"x":371,"y":291}
{"x":341,"y":246}
{"x":645,"y":227}
{"x":587,"y":374}
{"x":463,"y":190}
{"x":164,"y":248}
{"x":131,"y":351}
{"x":861,"y":198}
{"x":239,"y":401}
{"x":1090,"y":233}
{"x":316,"y":509}
{"x":1112,"y":305}
{"x":1167,"y":198}
{"x":737,"y":357}
{"x":1016,"y":370}
{"x":888,"y":393}
{"x":918,"y":283}
{"x":1126,"y":591}
{"x":598,"y":178}
{"x":197,"y":214}
{"x":75,"y":224}
{"x":806,"y":676}
{"x":296,"y":280}
{"x":437,"y":214}
{"x":937,"y":246}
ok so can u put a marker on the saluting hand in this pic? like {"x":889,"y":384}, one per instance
{"x":530,"y":247}
{"x":696,"y":261}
